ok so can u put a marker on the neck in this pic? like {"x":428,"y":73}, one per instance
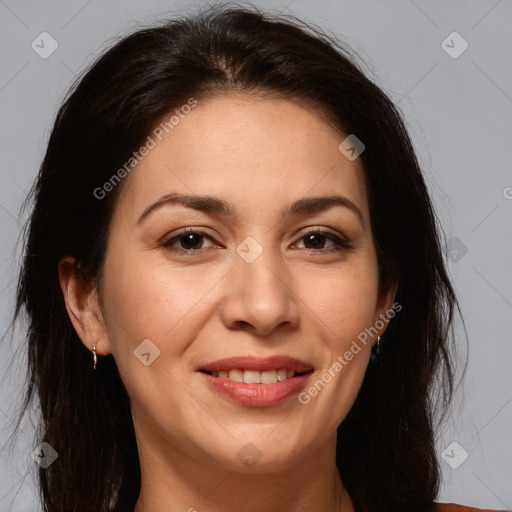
{"x":172,"y":481}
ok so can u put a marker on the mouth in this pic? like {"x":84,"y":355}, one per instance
{"x":257,"y":382}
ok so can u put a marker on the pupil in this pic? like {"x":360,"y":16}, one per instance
{"x":191,"y":239}
{"x":314,"y":239}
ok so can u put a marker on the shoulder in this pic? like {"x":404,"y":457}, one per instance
{"x":452,"y":507}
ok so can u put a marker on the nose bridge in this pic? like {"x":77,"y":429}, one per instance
{"x":261,"y":274}
{"x":259,"y":268}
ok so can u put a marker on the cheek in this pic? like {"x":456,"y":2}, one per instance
{"x":151,"y":301}
{"x":143,"y":301}
{"x":344,"y":308}
{"x":344,"y":300}
{"x":332,"y":391}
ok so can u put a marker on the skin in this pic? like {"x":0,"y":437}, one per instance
{"x":260,"y":154}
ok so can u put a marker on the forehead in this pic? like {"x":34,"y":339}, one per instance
{"x":254,"y":151}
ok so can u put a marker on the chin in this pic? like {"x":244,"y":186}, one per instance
{"x":260,"y":449}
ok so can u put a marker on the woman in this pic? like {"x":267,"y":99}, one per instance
{"x":231,"y":219}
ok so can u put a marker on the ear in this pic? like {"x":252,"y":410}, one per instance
{"x":83,"y":306}
{"x":385,"y":302}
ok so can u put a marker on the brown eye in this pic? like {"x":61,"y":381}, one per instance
{"x":315,"y":241}
{"x":187,"y":242}
{"x":190,"y":241}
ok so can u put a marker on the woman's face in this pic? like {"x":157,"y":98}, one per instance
{"x":248,"y":288}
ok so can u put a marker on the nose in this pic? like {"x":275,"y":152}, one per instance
{"x":260,"y":297}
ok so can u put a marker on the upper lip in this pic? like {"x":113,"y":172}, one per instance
{"x":260,"y":364}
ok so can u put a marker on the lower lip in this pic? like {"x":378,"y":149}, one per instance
{"x":257,"y":395}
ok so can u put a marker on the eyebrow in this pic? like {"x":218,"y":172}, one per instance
{"x":210,"y":204}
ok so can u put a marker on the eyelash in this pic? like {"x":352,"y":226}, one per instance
{"x":342,"y":244}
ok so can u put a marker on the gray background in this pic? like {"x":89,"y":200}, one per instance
{"x":458,"y":112}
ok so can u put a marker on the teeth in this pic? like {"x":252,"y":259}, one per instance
{"x":282,"y":374}
{"x":251,"y":377}
{"x":269,"y":377}
{"x":236,"y":375}
{"x":256,"y":377}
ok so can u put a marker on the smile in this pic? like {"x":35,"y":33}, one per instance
{"x":255,"y":381}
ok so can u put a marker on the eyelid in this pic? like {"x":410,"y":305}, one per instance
{"x":321,"y":230}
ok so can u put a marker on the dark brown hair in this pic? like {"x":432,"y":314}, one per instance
{"x":386,"y":445}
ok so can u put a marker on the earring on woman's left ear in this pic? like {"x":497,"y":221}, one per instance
{"x":375,"y":354}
